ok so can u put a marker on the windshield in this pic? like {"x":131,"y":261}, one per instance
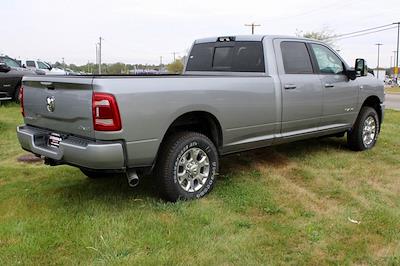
{"x":9,"y":62}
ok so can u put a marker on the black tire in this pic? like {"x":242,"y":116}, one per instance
{"x":16,"y":93}
{"x":355,"y":136}
{"x":96,"y":174}
{"x":169,"y":164}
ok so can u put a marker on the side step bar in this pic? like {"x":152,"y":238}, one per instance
{"x":5,"y":99}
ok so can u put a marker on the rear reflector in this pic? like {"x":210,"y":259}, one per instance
{"x":105,"y":112}
{"x":21,"y":100}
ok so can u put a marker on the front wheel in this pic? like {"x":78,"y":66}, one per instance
{"x":364,"y":133}
{"x":187,"y":167}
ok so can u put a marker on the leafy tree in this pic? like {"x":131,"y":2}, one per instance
{"x":117,"y":68}
{"x":57,"y":65}
{"x":326,"y":35}
{"x":175,"y":67}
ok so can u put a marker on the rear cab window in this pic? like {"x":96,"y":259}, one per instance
{"x":235,"y":56}
{"x":296,"y":58}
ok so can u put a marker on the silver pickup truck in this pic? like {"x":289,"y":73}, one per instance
{"x":236,"y":93}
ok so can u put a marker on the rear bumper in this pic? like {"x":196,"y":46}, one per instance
{"x":73,"y":150}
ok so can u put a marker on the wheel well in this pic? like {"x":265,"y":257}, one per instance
{"x":16,"y":89}
{"x":374,"y":102}
{"x":199,"y":121}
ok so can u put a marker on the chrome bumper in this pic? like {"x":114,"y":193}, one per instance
{"x":72,"y":150}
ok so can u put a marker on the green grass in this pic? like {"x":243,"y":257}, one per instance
{"x":287,"y":204}
{"x":392,"y":90}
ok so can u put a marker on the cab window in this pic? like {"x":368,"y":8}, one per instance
{"x":238,"y":56}
{"x":30,"y":64}
{"x":296,"y":59}
{"x":328,"y":62}
{"x":42,"y":65}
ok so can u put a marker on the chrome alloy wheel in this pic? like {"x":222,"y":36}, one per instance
{"x":369,"y":131}
{"x":193,"y":169}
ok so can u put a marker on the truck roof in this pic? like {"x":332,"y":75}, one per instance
{"x":248,"y":38}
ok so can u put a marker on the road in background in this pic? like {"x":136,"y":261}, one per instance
{"x":392,"y":101}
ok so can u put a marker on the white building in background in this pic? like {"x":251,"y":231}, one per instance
{"x":380,"y":74}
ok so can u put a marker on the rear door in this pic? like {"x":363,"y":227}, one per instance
{"x":301,"y":90}
{"x":59,"y":104}
{"x":339,"y":93}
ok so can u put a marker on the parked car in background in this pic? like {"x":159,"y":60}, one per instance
{"x":70,"y":72}
{"x":11,"y":74}
{"x":237,"y":93}
{"x":44,"y":66}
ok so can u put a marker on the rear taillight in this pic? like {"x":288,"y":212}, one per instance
{"x":21,"y":100}
{"x":105,"y":112}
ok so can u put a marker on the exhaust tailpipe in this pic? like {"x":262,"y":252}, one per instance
{"x":133,"y":178}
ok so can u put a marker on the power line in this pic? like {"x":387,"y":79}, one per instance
{"x":354,"y":32}
{"x":358,"y":35}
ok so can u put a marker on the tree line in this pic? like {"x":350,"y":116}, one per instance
{"x":175,"y":67}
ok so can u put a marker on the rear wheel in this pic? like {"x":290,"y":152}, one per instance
{"x":187,"y":167}
{"x":364,"y":133}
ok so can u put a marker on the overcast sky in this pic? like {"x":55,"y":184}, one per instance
{"x":142,"y":31}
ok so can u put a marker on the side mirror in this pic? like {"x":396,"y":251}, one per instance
{"x":361,"y":67}
{"x":50,"y":67}
{"x":4,"y":68}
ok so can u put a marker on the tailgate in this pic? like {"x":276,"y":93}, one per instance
{"x":60,"y":104}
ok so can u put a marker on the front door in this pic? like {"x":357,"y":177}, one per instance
{"x":339,"y":93}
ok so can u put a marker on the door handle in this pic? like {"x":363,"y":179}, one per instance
{"x":329,"y":85}
{"x":290,"y":87}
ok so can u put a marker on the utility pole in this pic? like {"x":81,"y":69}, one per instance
{"x":63,"y":63}
{"x":391,"y":61}
{"x":396,"y":68}
{"x":174,"y":53}
{"x":252,"y":25}
{"x":160,"y":61}
{"x":394,"y":61}
{"x":100,"y":39}
{"x":377,"y":67}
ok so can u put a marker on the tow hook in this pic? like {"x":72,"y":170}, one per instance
{"x":133,"y":178}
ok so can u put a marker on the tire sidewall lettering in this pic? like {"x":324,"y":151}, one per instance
{"x":213,"y":163}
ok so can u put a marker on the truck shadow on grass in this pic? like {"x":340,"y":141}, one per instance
{"x":112,"y":190}
{"x":280,"y":155}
